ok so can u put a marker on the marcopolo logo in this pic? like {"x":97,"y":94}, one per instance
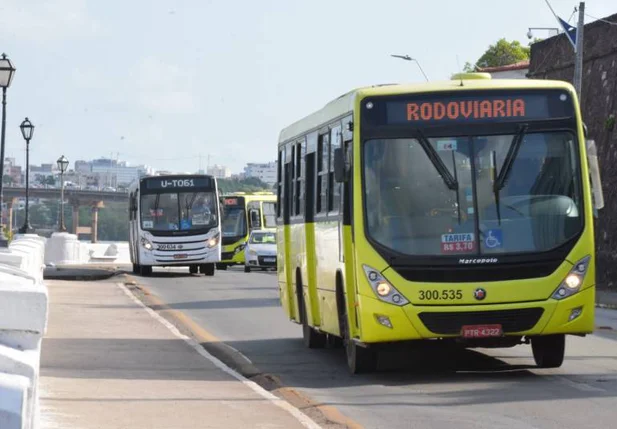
{"x":479,"y":294}
{"x":478,"y":261}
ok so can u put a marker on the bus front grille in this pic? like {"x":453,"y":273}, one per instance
{"x":451,"y":323}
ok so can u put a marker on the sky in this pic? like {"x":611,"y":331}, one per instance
{"x":174,"y":83}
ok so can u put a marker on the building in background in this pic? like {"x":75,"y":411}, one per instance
{"x":266,"y":172}
{"x":511,"y":71}
{"x":219,"y":171}
{"x":14,"y":171}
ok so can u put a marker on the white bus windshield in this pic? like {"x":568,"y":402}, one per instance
{"x":182,"y":211}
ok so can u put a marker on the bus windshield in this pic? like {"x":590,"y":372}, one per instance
{"x":234,"y":221}
{"x":412,"y":210}
{"x":178,"y":211}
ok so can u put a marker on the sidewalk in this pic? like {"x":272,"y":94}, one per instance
{"x":107,"y":363}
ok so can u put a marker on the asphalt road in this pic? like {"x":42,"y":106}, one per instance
{"x":417,"y":389}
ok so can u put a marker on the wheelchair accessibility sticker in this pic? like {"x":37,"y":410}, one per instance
{"x":493,"y":239}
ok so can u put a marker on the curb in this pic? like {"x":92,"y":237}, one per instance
{"x":80,"y":275}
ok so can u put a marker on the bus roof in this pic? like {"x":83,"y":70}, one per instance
{"x":346,"y":103}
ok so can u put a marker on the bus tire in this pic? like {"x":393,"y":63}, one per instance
{"x":359,"y":359}
{"x":207,"y":269}
{"x":136,"y":268}
{"x":145,"y":270}
{"x":548,"y":350}
{"x":193,"y":269}
{"x":312,"y":339}
{"x":222,"y":267}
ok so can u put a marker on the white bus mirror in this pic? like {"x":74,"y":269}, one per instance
{"x":594,"y":175}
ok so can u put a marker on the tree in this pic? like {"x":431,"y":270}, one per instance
{"x":500,"y":54}
{"x":249,"y":184}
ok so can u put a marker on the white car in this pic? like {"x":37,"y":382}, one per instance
{"x":260,"y":251}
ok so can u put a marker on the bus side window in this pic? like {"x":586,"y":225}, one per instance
{"x":323,"y":153}
{"x":298,"y":197}
{"x":279,"y":188}
{"x":334,"y":196}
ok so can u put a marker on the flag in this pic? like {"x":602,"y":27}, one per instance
{"x":570,"y":31}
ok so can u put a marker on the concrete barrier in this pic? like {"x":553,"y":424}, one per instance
{"x":65,"y":249}
{"x":23,"y":322}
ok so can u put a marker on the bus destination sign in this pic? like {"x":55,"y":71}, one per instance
{"x":180,"y":183}
{"x":436,"y":109}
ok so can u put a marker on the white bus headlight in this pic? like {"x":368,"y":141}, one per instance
{"x":382,"y":287}
{"x":146,"y":243}
{"x":213,"y":241}
{"x":574,"y":280}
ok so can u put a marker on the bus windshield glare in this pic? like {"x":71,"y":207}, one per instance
{"x":411,"y":209}
{"x":178,"y":211}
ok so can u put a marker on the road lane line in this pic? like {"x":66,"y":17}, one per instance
{"x":300,"y":416}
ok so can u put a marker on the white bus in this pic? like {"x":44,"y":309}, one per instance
{"x":174,"y":220}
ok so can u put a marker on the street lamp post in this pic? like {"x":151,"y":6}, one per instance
{"x":63,"y":164}
{"x":7,"y":71}
{"x":27,"y":129}
{"x":408,"y":58}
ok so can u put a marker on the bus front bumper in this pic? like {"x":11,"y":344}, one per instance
{"x":179,"y":258}
{"x":230,"y":257}
{"x":384,"y":322}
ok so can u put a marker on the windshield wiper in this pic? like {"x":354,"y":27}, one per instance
{"x":441,"y":168}
{"x":506,"y":169}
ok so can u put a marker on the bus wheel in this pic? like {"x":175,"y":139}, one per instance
{"x":549,"y":350}
{"x":193,"y":269}
{"x":312,"y":338}
{"x":359,"y":359}
{"x":136,"y":269}
{"x":207,"y":269}
{"x":145,"y":270}
{"x":222,"y":267}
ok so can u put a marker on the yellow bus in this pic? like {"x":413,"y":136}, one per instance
{"x":242,"y":213}
{"x":458,"y":212}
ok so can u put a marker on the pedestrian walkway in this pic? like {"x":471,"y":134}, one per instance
{"x":108,"y":363}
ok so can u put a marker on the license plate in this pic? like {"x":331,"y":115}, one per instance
{"x":180,"y":256}
{"x":167,"y":247}
{"x":269,"y":259}
{"x":481,"y":331}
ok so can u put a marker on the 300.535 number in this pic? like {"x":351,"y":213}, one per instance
{"x":434,"y":295}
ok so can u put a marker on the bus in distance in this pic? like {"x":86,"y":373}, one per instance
{"x":241,"y":214}
{"x":459,"y":211}
{"x":174,"y":222}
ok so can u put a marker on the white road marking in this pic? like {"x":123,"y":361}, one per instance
{"x":299,"y":415}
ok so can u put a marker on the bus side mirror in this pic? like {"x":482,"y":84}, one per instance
{"x":340,"y":169}
{"x":594,"y":175}
{"x":255,"y":223}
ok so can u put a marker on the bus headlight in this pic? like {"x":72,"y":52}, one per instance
{"x":213,"y":241}
{"x":382,"y":287}
{"x":146,"y":243}
{"x":574,"y":280}
{"x":239,"y":249}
